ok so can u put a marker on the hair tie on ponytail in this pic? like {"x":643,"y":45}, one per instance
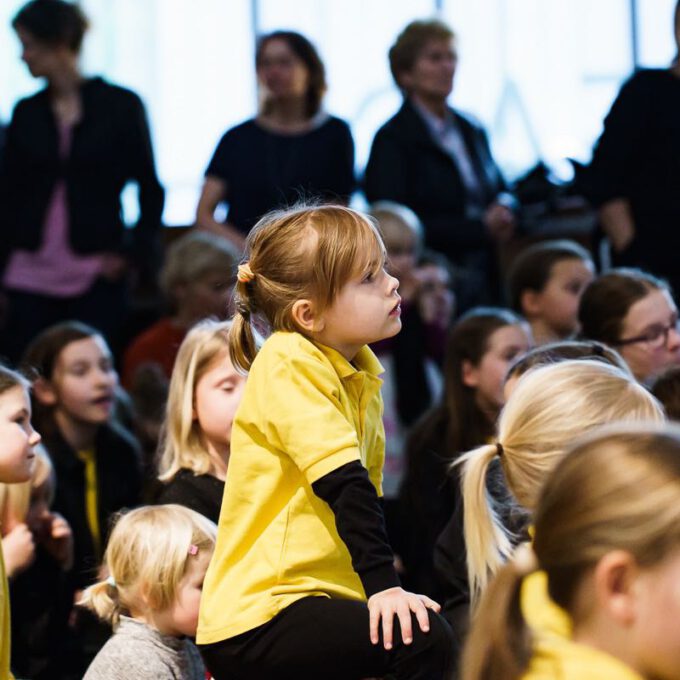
{"x":243,"y":309}
{"x":499,"y":449}
{"x":245,"y":273}
{"x":111,"y":582}
{"x":524,"y":559}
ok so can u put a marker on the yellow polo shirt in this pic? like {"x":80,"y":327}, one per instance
{"x":555,"y":655}
{"x":306,"y":411}
{"x":5,"y":623}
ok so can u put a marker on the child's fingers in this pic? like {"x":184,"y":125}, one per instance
{"x":420,"y":610}
{"x":387,"y":627}
{"x":431,"y":604}
{"x":404,"y":613}
{"x":374,"y":622}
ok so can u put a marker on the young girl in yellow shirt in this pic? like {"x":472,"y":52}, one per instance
{"x":607,"y":542}
{"x":302,"y":583}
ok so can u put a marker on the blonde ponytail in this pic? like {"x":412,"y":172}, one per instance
{"x":548,"y":408}
{"x":242,"y":341}
{"x":488,"y":543}
{"x":102,"y":599}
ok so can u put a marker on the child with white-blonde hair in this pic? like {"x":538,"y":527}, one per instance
{"x":205,"y":391}
{"x":156,"y":559}
{"x":37,"y":546}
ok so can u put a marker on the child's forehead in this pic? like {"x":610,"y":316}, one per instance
{"x":90,"y":347}
{"x":15,"y":398}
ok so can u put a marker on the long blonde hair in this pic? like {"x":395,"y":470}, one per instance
{"x":15,"y":499}
{"x":301,"y":253}
{"x":148,"y":553}
{"x":181,"y":444}
{"x":550,"y":406}
{"x":619,"y":489}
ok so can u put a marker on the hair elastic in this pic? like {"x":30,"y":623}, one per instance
{"x":245,"y":273}
{"x":499,"y":449}
{"x":193,"y":549}
{"x":111,"y":582}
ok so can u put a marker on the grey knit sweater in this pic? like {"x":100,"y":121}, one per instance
{"x":137,"y":651}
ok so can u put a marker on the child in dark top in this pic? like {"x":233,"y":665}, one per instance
{"x":97,"y":462}
{"x":545,"y":285}
{"x":481,"y":346}
{"x":205,"y":391}
{"x":37,"y":545}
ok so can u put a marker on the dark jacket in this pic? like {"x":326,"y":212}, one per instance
{"x":119,"y":485}
{"x":407,"y":165}
{"x":202,"y":493}
{"x":111,"y":146}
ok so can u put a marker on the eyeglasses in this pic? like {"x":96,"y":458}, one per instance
{"x":655,"y":337}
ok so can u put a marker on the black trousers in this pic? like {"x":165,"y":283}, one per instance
{"x":319,"y":637}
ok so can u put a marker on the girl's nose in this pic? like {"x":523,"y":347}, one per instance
{"x":34,"y":438}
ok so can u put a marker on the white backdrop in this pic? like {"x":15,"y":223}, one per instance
{"x":541,"y":74}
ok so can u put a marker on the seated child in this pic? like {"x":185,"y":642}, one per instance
{"x":205,"y":391}
{"x":545,"y":285}
{"x":97,"y":462}
{"x":197,"y":278}
{"x":412,"y":360}
{"x":156,"y":559}
{"x":303,"y":584}
{"x":17,"y":442}
{"x":607,"y":605}
{"x":37,"y":545}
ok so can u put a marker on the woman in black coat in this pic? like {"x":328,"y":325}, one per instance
{"x":437,"y":161}
{"x":70,"y":150}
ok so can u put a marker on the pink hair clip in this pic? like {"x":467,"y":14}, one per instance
{"x":193,"y":549}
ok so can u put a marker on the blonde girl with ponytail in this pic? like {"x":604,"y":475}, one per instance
{"x":156,"y":559}
{"x":607,"y":547}
{"x":550,"y":406}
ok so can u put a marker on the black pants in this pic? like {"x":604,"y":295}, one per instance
{"x":319,"y":637}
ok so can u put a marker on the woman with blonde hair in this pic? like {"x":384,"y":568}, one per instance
{"x":548,"y":408}
{"x":205,"y":390}
{"x":606,"y":607}
{"x":156,"y":558}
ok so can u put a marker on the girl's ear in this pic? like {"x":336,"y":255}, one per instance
{"x":616,"y":577}
{"x":305,"y":317}
{"x":469,"y":374}
{"x":530,"y":302}
{"x":44,"y":392}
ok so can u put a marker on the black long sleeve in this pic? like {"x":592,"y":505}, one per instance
{"x":360,"y":523}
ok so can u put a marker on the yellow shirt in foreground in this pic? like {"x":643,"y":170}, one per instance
{"x":5,"y":623}
{"x":555,"y":656}
{"x":306,"y":411}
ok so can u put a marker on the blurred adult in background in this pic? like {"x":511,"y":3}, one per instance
{"x":70,"y":150}
{"x":437,"y":161}
{"x":292,"y":149}
{"x":635,"y":171}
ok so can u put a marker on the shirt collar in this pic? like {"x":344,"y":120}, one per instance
{"x":365,"y":360}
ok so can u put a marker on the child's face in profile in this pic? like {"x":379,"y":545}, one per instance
{"x":181,"y":617}
{"x":503,"y":346}
{"x":216,"y":397}
{"x":559,"y":300}
{"x":17,"y":436}
{"x":208,"y":295}
{"x":84,"y":381}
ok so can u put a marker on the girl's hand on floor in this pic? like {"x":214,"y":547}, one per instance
{"x":393,"y":602}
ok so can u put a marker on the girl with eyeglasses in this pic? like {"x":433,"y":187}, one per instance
{"x":633,"y":312}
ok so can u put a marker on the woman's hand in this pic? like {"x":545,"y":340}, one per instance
{"x":18,"y":549}
{"x":397,"y":602}
{"x":617,"y":222}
